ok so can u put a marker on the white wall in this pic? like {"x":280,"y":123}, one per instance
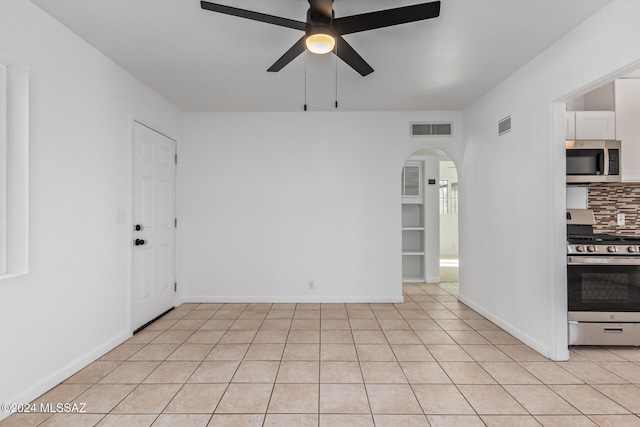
{"x":273,"y":200}
{"x":600,"y":99}
{"x":512,"y":207}
{"x":432,"y":219}
{"x":74,"y":304}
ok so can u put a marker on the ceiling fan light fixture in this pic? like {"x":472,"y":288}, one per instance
{"x":320,"y":40}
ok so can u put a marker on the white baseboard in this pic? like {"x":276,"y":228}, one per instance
{"x":517,"y":333}
{"x":66,"y":371}
{"x":291,"y":299}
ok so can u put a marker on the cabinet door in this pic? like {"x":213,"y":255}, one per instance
{"x":627,"y":95}
{"x":411,"y":180}
{"x":570,"y":117}
{"x":595,"y":125}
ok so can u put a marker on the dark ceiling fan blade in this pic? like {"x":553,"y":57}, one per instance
{"x":386,"y":18}
{"x":289,"y":55}
{"x":351,"y":57}
{"x":255,"y":16}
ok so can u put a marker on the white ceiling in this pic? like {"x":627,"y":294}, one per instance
{"x":204,"y":61}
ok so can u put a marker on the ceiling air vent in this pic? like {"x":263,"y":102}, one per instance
{"x":504,"y":125}
{"x":432,"y":129}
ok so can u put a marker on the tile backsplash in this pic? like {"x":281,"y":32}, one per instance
{"x":607,"y":201}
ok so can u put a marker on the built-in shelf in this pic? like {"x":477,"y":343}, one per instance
{"x":412,"y":216}
{"x":413,"y":268}
{"x":412,"y":241}
{"x":413,"y":238}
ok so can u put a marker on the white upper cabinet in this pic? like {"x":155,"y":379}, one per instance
{"x":627,"y":104}
{"x":412,"y":182}
{"x":595,"y":125}
{"x":592,"y":116}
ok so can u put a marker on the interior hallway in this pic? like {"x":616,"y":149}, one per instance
{"x":449,"y":270}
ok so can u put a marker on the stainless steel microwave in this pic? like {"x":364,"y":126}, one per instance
{"x":593,"y":161}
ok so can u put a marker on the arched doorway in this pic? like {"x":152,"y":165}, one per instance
{"x":429,"y":190}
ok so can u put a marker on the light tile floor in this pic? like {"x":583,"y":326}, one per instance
{"x":430,"y":361}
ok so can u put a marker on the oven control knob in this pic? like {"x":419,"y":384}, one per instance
{"x":632,"y":249}
{"x":580,"y":248}
{"x":612,"y":249}
{"x":591,"y":248}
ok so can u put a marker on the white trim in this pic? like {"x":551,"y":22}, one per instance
{"x":16,"y":233}
{"x":517,"y":333}
{"x":290,"y":299}
{"x":557,"y":282}
{"x":132,"y":132}
{"x":3,"y":168}
{"x":66,"y":371}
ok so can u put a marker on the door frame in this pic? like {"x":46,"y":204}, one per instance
{"x":130,"y":235}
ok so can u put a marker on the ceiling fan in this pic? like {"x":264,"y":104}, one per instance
{"x":323,"y":31}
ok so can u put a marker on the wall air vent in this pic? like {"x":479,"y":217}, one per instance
{"x":432,"y":129}
{"x":504,"y":125}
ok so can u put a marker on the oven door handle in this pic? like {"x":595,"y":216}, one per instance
{"x":596,"y":260}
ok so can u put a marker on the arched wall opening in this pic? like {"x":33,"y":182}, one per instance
{"x":429,"y":199}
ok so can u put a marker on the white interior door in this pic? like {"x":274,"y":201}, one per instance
{"x":154,"y":236}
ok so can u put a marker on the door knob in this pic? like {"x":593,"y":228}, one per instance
{"x":140,"y":242}
{"x":138,"y":227}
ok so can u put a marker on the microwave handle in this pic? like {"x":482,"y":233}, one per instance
{"x":596,"y":260}
{"x":606,"y":162}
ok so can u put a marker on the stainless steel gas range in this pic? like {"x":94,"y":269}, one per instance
{"x":603,"y":279}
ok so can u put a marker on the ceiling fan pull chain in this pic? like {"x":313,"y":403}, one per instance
{"x":336,"y":56}
{"x":305,"y":81}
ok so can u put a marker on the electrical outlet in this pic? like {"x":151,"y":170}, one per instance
{"x":620,"y":219}
{"x":312,"y":284}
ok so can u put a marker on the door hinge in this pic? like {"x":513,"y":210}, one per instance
{"x":175,"y":286}
{"x":175,"y":222}
{"x":176,"y":158}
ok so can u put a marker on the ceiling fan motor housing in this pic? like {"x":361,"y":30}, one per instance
{"x":320,"y":11}
{"x":316,"y":18}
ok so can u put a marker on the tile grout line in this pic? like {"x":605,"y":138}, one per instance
{"x":519,"y":361}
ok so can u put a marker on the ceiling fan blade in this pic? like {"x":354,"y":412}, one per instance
{"x":289,"y":55}
{"x":386,"y":18}
{"x":351,"y":57}
{"x":255,"y":16}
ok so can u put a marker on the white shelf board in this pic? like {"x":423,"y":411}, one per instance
{"x":412,"y":228}
{"x":412,"y":253}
